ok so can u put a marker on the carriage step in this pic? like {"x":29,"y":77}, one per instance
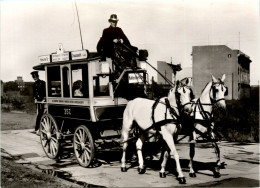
{"x":109,"y":133}
{"x":67,"y":147}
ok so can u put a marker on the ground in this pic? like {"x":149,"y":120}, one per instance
{"x":24,"y":148}
{"x":16,"y":175}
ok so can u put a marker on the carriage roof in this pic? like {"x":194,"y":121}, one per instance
{"x":47,"y":60}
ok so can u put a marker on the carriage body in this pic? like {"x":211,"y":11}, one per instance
{"x":90,"y":115}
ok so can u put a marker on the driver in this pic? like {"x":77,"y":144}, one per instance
{"x":110,"y":36}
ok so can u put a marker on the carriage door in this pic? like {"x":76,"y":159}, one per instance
{"x":66,"y":81}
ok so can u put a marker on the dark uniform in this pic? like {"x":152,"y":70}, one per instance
{"x":122,"y":54}
{"x":39,"y":90}
{"x":39,"y":94}
{"x":105,"y":45}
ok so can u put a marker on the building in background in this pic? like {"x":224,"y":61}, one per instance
{"x":20,"y":82}
{"x":168,"y":70}
{"x":217,"y":60}
{"x":186,"y":72}
{"x":2,"y":88}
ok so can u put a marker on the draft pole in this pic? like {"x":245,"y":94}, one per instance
{"x":79,"y":26}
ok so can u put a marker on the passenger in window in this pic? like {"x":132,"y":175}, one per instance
{"x":77,"y":87}
{"x":39,"y":94}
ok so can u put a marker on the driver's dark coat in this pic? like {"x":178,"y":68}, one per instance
{"x":106,"y":41}
{"x":39,"y":90}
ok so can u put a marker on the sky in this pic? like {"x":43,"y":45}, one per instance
{"x":167,"y":29}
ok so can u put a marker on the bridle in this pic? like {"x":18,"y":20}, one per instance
{"x":205,"y":114}
{"x":171,"y":109}
{"x":177,"y":96}
{"x":214,"y":90}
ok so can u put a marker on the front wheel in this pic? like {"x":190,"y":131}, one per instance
{"x":83,"y":145}
{"x":49,"y":135}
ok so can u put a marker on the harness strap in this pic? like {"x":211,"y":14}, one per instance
{"x":157,"y":125}
{"x":171,"y":110}
{"x":205,"y":114}
{"x":205,"y":123}
{"x":204,"y":135}
{"x":153,"y":108}
{"x":181,"y":139}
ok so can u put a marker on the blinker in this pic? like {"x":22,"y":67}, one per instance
{"x":226,"y":92}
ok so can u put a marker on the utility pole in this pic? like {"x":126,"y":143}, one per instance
{"x":165,"y":76}
{"x":239,"y":41}
{"x":79,"y":27}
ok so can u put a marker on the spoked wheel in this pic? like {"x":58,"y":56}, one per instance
{"x":83,"y":145}
{"x":49,"y":136}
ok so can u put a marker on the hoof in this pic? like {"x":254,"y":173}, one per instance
{"x":123,"y":169}
{"x":141,"y":170}
{"x":223,"y":165}
{"x":216,"y":174}
{"x":193,"y":175}
{"x":162,"y":175}
{"x":182,"y":180}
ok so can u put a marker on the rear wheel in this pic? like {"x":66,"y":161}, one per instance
{"x":49,"y":135}
{"x":83,"y":145}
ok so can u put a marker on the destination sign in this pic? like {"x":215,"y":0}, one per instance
{"x":135,"y":78}
{"x":68,"y":101}
{"x":81,"y":54}
{"x":44,"y":59}
{"x":60,"y":57}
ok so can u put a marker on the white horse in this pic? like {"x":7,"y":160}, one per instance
{"x":141,"y":111}
{"x":212,"y":95}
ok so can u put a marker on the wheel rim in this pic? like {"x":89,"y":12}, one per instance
{"x":83,"y":146}
{"x":49,"y":136}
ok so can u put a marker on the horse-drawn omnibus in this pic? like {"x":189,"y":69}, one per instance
{"x":84,"y":101}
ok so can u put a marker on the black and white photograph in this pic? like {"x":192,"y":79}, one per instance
{"x":130,"y":93}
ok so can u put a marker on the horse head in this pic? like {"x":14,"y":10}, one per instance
{"x":218,"y":92}
{"x":183,"y":96}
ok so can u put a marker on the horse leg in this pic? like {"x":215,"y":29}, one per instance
{"x":167,"y":136}
{"x":216,"y":170}
{"x":126,"y":128}
{"x":165,"y":156}
{"x":139,"y":145}
{"x":192,"y":154}
{"x":125,"y":136}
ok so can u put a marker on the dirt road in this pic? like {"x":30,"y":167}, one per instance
{"x":242,"y":161}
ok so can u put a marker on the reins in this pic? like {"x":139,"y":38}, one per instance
{"x":157,"y":125}
{"x":207,"y":116}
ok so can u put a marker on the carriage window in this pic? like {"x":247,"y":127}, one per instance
{"x":54,"y":81}
{"x":66,"y":84}
{"x":101,"y":85}
{"x":79,"y":74}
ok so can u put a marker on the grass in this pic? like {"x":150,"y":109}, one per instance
{"x":17,"y":121}
{"x":15,"y":175}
